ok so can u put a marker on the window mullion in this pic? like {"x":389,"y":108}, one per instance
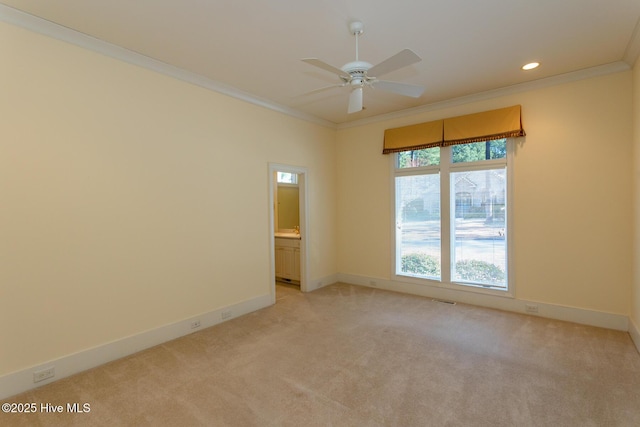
{"x":445,"y":210}
{"x":471,"y":226}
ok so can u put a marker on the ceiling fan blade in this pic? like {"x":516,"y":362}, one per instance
{"x":405,"y":89}
{"x":322,"y":89}
{"x":355,"y":100}
{"x":321,"y":64}
{"x":399,"y":60}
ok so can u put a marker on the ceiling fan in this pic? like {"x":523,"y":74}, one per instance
{"x":358,"y":74}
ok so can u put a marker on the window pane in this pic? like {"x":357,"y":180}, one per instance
{"x":479,"y":151}
{"x":287,"y":178}
{"x":417,"y":158}
{"x":418,"y":225}
{"x":479,"y":229}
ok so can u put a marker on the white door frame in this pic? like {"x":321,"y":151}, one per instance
{"x":304,"y":223}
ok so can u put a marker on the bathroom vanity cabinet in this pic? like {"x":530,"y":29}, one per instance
{"x":287,"y":254}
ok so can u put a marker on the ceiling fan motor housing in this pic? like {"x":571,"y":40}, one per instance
{"x":358,"y":72}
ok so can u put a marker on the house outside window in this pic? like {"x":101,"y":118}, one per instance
{"x":452,"y":215}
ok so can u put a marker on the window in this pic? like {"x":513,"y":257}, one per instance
{"x":287,"y":178}
{"x":451,"y":214}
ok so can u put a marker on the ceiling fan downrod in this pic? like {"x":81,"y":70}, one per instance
{"x":356,"y":69}
{"x":356,"y":28}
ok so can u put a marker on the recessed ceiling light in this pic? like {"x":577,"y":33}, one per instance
{"x":531,"y":66}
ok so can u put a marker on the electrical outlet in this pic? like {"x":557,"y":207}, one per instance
{"x":531,"y":308}
{"x":44,"y":374}
{"x":227,"y":314}
{"x":195,"y":324}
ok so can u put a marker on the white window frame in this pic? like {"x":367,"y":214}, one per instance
{"x":444,"y":169}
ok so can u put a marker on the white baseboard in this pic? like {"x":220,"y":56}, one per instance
{"x":634,"y":331}
{"x":21,"y":381}
{"x":322,"y":282}
{"x":570,"y":314}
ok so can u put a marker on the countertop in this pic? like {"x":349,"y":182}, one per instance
{"x":287,"y":235}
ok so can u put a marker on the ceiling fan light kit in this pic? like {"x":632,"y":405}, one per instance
{"x":358,"y":74}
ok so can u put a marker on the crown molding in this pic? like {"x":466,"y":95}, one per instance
{"x":601,"y":70}
{"x":632,"y":51}
{"x":59,"y":32}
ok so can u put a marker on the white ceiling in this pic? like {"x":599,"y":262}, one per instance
{"x":467,"y":47}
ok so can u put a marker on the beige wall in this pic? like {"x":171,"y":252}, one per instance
{"x":572,"y":185}
{"x":117,"y":217}
{"x":635,"y":312}
{"x":115,"y":210}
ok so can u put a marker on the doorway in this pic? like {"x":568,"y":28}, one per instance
{"x":287,"y":224}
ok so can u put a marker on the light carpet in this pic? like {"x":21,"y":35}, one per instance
{"x":346,"y":355}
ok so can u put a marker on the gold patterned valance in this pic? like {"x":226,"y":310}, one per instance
{"x":417,"y":137}
{"x":485,"y":126}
